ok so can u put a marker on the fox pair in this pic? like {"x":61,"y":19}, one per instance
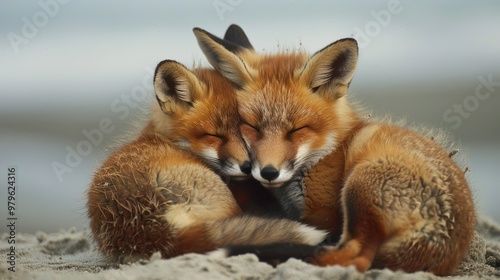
{"x":391,"y":197}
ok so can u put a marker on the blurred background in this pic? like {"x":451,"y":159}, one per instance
{"x":76,"y":75}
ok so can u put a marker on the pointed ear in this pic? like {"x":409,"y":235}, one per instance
{"x":329,"y":71}
{"x":176,"y":87}
{"x":236,"y":35}
{"x":222,"y":55}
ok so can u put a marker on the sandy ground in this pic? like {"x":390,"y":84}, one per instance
{"x":71,"y":255}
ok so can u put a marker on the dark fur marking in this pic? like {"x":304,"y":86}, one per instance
{"x":235,"y":34}
{"x":277,"y":252}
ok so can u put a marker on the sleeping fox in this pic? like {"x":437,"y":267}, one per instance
{"x":164,"y":191}
{"x":394,"y":197}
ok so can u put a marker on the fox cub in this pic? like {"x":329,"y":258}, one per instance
{"x":393,"y":197}
{"x":161,"y":191}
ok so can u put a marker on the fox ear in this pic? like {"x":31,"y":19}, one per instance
{"x":236,"y":35}
{"x":176,"y":87}
{"x":222,"y":55}
{"x":329,"y":71}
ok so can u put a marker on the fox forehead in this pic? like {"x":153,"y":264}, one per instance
{"x":214,"y":112}
{"x":281,"y":66}
{"x":220,"y":106}
{"x":276,"y":98}
{"x":210,"y":116}
{"x":268,"y":103}
{"x":283,"y":106}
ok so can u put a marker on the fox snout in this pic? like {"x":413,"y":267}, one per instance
{"x":272,"y":161}
{"x":233,"y":158}
{"x":234,"y":169}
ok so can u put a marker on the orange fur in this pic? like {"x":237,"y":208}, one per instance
{"x":395,"y":196}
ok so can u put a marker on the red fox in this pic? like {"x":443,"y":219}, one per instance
{"x":160,"y":191}
{"x":394,"y":197}
{"x":249,"y":193}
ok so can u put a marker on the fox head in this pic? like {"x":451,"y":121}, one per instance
{"x":292,"y":106}
{"x":197,"y":110}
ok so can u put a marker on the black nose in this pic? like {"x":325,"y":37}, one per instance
{"x":246,"y":167}
{"x":269,"y":173}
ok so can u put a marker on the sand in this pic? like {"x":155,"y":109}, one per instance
{"x":70,"y":254}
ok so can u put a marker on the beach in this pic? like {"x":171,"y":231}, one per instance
{"x":71,"y":254}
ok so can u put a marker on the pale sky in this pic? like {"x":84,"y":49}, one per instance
{"x":74,"y":50}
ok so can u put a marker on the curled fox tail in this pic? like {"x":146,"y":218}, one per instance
{"x":246,"y":230}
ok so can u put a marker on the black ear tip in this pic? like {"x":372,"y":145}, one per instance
{"x":160,"y":65}
{"x":350,"y":43}
{"x":237,"y":36}
{"x":354,"y":41}
{"x":168,"y":61}
{"x":234,"y":27}
{"x":163,"y":64}
{"x":199,"y":30}
{"x":348,"y":40}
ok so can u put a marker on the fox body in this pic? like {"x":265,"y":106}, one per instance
{"x":392,"y":196}
{"x":164,"y":191}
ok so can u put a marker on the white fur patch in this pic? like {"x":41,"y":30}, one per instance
{"x":231,"y":73}
{"x":285,"y":175}
{"x":183,"y":144}
{"x":161,"y":85}
{"x":303,"y":150}
{"x":307,"y":157}
{"x":210,"y":154}
{"x":256,"y":172}
{"x":232,"y":168}
{"x":312,"y":236}
{"x":180,"y":216}
{"x":182,"y":89}
{"x":219,"y":253}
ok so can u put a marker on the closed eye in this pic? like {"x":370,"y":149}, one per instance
{"x":212,"y":135}
{"x":251,"y":126}
{"x":296,"y":131}
{"x":249,"y":132}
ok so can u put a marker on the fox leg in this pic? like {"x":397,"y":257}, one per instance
{"x":364,"y":225}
